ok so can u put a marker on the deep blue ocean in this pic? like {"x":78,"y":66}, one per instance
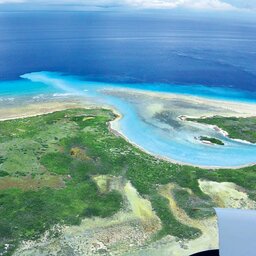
{"x":137,"y":47}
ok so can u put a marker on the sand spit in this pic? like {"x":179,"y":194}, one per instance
{"x":231,"y":108}
{"x":36,"y":109}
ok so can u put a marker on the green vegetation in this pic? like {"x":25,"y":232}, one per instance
{"x":237,"y":128}
{"x":170,"y":224}
{"x":56,"y":162}
{"x":75,"y":145}
{"x":194,"y":206}
{"x":26,"y":213}
{"x":212,"y":140}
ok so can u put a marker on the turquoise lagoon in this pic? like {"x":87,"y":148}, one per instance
{"x":178,"y":145}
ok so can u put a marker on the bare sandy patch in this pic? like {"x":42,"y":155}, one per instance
{"x":227,"y":194}
{"x":209,"y":238}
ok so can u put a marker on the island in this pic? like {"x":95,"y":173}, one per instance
{"x":210,"y":140}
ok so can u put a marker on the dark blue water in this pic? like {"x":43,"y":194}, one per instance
{"x":130,"y":48}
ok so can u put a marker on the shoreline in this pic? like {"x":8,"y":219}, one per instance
{"x":38,"y":108}
{"x":119,"y":133}
{"x":241,"y":110}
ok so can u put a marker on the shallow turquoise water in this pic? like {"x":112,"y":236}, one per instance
{"x":178,"y":145}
